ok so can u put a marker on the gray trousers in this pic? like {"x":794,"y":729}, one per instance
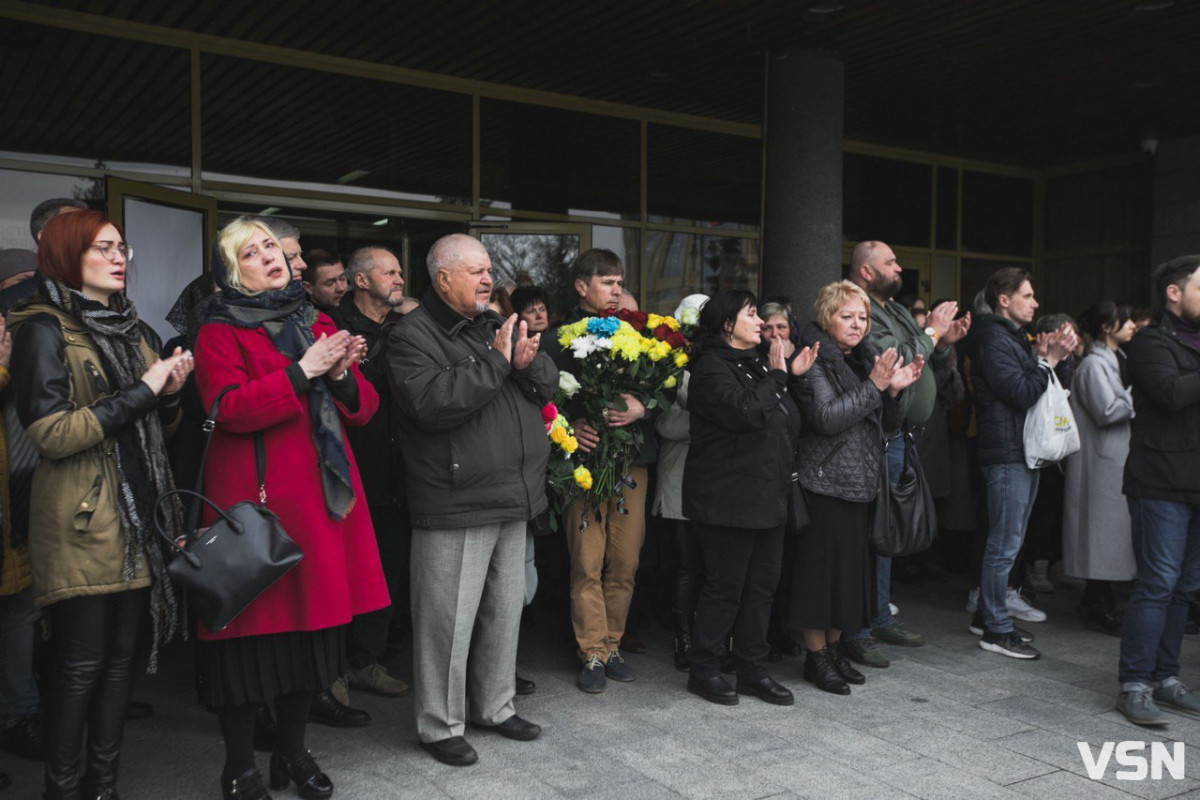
{"x":467,"y":589}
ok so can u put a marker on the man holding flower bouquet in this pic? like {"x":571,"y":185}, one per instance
{"x":606,"y":525}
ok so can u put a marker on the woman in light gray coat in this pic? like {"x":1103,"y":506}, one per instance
{"x":1097,"y":542}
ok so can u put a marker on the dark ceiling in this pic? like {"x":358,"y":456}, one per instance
{"x":1025,"y":82}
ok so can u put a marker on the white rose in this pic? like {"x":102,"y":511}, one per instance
{"x":567,"y":384}
{"x":689,"y":316}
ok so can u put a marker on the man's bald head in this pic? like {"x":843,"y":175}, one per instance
{"x":461,"y":272}
{"x":450,"y":251}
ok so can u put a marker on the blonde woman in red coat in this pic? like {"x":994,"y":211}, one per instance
{"x":295,"y":384}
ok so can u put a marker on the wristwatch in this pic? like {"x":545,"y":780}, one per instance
{"x":932,"y":333}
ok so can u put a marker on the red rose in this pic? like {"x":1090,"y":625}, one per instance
{"x":635,"y":318}
{"x":676,"y":340}
{"x":662,"y":332}
{"x":549,"y":413}
{"x":607,"y":312}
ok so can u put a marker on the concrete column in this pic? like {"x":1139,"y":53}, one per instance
{"x":802,"y":175}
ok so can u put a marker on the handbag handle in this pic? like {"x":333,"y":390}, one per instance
{"x":260,"y":462}
{"x":233,"y":524}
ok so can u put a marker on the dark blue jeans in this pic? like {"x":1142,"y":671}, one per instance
{"x":1166,"y":544}
{"x":18,"y":689}
{"x":883,"y":564}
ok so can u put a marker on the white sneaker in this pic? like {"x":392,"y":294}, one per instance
{"x":1019,"y":608}
{"x":973,"y":601}
{"x":895,"y":609}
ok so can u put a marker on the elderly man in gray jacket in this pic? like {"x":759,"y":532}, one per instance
{"x":470,"y":388}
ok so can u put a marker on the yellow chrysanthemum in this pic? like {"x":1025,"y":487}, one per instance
{"x":670,"y":382}
{"x":568,"y":332}
{"x":570,"y":444}
{"x":583,"y":477}
{"x":626,"y":346}
{"x":681,"y":359}
{"x":558,"y":435}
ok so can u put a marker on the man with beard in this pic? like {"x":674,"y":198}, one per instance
{"x":874,"y":267}
{"x":1162,"y":484}
{"x":367,"y":312}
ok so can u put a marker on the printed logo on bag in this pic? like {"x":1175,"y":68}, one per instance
{"x":1137,"y":767}
{"x":210,"y":541}
{"x":1062,"y":424}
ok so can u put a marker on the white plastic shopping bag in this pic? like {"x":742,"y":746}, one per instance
{"x":1050,"y":431}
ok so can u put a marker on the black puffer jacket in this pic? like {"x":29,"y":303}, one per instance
{"x":743,"y":429}
{"x":475,"y":447}
{"x":1164,"y":446}
{"x":1008,"y":381}
{"x":845,"y":416}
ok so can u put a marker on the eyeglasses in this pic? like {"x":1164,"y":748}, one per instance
{"x":110,"y":249}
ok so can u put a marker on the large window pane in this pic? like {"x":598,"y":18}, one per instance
{"x":701,"y":177}
{"x":886,"y":200}
{"x":679,"y":264}
{"x":1108,"y":208}
{"x":283,"y":123}
{"x":24,"y":190}
{"x":550,"y":160}
{"x":947,"y":208}
{"x":997,"y":214}
{"x":74,"y":94}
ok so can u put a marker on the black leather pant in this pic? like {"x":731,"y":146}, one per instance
{"x":96,"y":641}
{"x":689,"y":571}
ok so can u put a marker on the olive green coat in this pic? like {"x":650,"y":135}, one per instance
{"x":76,"y":545}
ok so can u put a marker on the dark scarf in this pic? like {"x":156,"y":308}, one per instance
{"x":141,"y":451}
{"x":187,"y":315}
{"x":287,"y":317}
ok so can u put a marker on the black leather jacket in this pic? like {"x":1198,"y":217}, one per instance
{"x":845,"y":416}
{"x":1164,"y":445}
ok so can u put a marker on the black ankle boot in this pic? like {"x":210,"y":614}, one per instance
{"x":247,"y":786}
{"x":843,"y":665}
{"x":311,"y":783}
{"x":819,"y":670}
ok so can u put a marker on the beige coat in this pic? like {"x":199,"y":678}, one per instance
{"x":14,"y":563}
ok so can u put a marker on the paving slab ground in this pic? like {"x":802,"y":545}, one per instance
{"x":947,"y":720}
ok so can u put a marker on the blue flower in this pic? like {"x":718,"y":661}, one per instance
{"x":603,"y":326}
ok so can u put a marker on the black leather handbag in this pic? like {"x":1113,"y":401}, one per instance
{"x":904,"y":518}
{"x":225,"y":566}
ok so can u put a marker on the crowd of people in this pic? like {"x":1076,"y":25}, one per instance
{"x":402,"y":445}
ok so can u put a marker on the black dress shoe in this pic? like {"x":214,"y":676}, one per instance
{"x":25,"y":738}
{"x":819,"y":670}
{"x":326,"y":710}
{"x":266,"y":732}
{"x":311,"y":783}
{"x":715,"y":690}
{"x":247,"y":786}
{"x":843,"y":665}
{"x":768,"y":690}
{"x":138,"y":710}
{"x":522,"y":730}
{"x":455,"y":751}
{"x":525,"y":686}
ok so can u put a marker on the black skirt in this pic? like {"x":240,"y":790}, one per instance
{"x":834,"y":577}
{"x":255,"y":669}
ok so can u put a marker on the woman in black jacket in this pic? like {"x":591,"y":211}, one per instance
{"x":735,"y":492}
{"x":852,"y":395}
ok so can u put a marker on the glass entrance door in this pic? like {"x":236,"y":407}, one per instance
{"x":530,"y":254}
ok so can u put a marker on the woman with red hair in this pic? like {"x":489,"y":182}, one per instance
{"x":88,"y":383}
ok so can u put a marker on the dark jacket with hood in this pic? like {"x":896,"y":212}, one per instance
{"x":475,"y":446}
{"x":845,"y":418}
{"x":1008,"y":380}
{"x":1164,"y":446}
{"x":744,"y":427}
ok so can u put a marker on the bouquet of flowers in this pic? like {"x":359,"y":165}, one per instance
{"x":626,"y":352}
{"x":565,"y":475}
